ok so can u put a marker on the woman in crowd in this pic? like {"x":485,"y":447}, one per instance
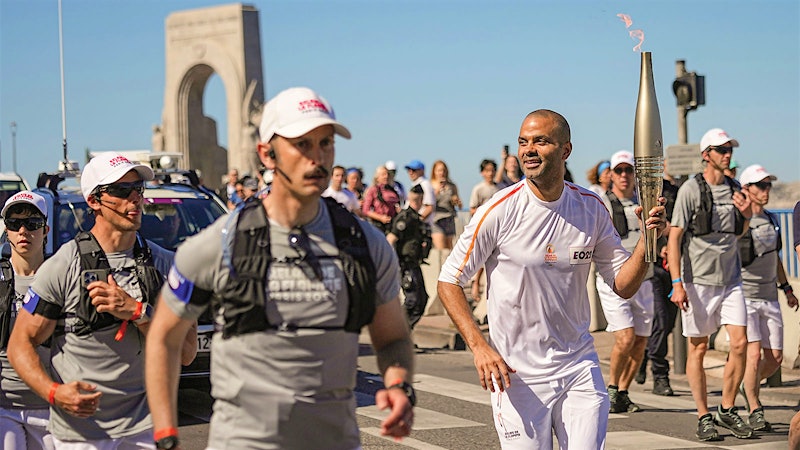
{"x":447,"y":203}
{"x":381,"y":201}
{"x":599,"y":177}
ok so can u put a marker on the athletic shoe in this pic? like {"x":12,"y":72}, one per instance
{"x":730,"y":419}
{"x":744,"y":396}
{"x":661,"y":387}
{"x":757,"y":421}
{"x":706,"y":431}
{"x":613,"y":398}
{"x":624,"y":403}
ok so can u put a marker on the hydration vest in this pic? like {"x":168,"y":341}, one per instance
{"x":618,"y":216}
{"x":247,"y":253}
{"x":7,"y":295}
{"x":747,"y":249}
{"x":701,"y":224}
{"x":92,"y":256}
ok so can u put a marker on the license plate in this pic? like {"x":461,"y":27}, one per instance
{"x":204,"y":342}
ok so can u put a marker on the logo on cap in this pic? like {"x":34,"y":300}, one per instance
{"x":22,"y":196}
{"x":117,"y":160}
{"x":312,"y":105}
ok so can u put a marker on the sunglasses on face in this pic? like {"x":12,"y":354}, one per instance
{"x":30,"y":223}
{"x":122,"y":190}
{"x":763,"y":185}
{"x":300,"y":242}
{"x":625,"y":170}
{"x":722,"y":150}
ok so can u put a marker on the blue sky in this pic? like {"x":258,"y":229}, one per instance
{"x":418,"y":79}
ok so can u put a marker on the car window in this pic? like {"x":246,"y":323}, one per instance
{"x":170,"y":221}
{"x":9,"y":188}
{"x":71,"y":219}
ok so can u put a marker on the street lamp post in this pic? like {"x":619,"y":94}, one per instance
{"x":14,"y":145}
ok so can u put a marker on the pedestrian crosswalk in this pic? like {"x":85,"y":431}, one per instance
{"x":427,"y":419}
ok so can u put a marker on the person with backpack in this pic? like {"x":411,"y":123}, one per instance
{"x":95,"y":297}
{"x":630,"y":320}
{"x":23,"y":414}
{"x":762,"y":275}
{"x":291,"y":280}
{"x":381,"y":202}
{"x":411,"y":238}
{"x":711,"y":213}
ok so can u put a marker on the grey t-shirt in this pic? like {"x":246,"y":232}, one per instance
{"x":760,"y":278}
{"x":283,"y":389}
{"x":116,"y":367}
{"x":711,"y":259}
{"x":14,"y":393}
{"x":634,"y":230}
{"x":481,"y":193}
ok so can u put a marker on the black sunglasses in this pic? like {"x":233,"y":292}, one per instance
{"x":722,"y":150}
{"x":763,"y":185}
{"x":122,"y":190}
{"x":30,"y":223}
{"x":621,"y":170}
{"x":301,"y":243}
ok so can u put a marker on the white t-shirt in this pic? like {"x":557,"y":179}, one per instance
{"x":537,"y":256}
{"x":344,"y":197}
{"x":428,"y":196}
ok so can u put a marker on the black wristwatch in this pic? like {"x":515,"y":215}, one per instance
{"x":409,"y":391}
{"x":167,"y":443}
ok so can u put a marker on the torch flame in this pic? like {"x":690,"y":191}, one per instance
{"x":626,"y":18}
{"x":635,"y":34}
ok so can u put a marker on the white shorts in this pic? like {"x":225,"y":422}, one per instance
{"x":25,"y":429}
{"x":635,"y":312}
{"x":574,"y":407}
{"x":712,"y":306}
{"x":143,"y":440}
{"x":765,"y":323}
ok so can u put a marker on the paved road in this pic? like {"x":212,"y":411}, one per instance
{"x":453,"y":412}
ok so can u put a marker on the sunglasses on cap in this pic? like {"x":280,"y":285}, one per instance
{"x":30,"y":223}
{"x":122,"y":190}
{"x":620,"y":170}
{"x":763,"y":185}
{"x":722,"y":150}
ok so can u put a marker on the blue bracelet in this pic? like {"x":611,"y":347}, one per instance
{"x":677,"y":280}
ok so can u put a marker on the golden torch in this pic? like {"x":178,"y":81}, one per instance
{"x":648,"y":151}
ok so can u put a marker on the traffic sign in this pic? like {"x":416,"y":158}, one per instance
{"x":683,"y":159}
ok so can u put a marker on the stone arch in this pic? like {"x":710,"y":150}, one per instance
{"x":199,"y":43}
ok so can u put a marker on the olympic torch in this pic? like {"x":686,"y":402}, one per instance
{"x":648,"y":151}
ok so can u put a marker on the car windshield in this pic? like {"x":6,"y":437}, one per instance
{"x":9,"y":188}
{"x":170,"y":221}
{"x":72,"y":218}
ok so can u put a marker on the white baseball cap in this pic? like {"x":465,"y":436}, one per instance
{"x":108,"y":167}
{"x":754,"y":174}
{"x":390,"y":165}
{"x":296,"y":111}
{"x":622,"y":157}
{"x":715,"y":137}
{"x":29,"y":197}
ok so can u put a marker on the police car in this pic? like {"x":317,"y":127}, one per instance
{"x":175,"y":206}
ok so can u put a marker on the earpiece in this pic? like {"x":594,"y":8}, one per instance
{"x":271,"y":154}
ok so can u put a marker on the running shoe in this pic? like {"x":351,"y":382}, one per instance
{"x":730,"y":419}
{"x":757,"y":421}
{"x":706,"y":431}
{"x":661,"y":387}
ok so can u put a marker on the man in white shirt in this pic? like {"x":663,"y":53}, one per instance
{"x":342,"y":196}
{"x":537,"y":239}
{"x":416,"y":172}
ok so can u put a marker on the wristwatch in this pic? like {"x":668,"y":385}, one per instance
{"x":167,"y":442}
{"x":408,"y":390}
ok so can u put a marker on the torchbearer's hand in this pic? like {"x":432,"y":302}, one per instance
{"x":401,"y":416}
{"x":490,"y":365}
{"x":657,"y":218}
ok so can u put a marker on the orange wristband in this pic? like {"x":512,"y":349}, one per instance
{"x":51,"y":397}
{"x":397,"y":381}
{"x":165,"y":432}
{"x":138,"y":313}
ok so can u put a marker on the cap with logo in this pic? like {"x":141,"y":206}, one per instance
{"x":716,"y":137}
{"x":754,"y":174}
{"x":622,"y":157}
{"x":415,"y":165}
{"x":296,"y":111}
{"x":28,"y":197}
{"x":108,"y":167}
